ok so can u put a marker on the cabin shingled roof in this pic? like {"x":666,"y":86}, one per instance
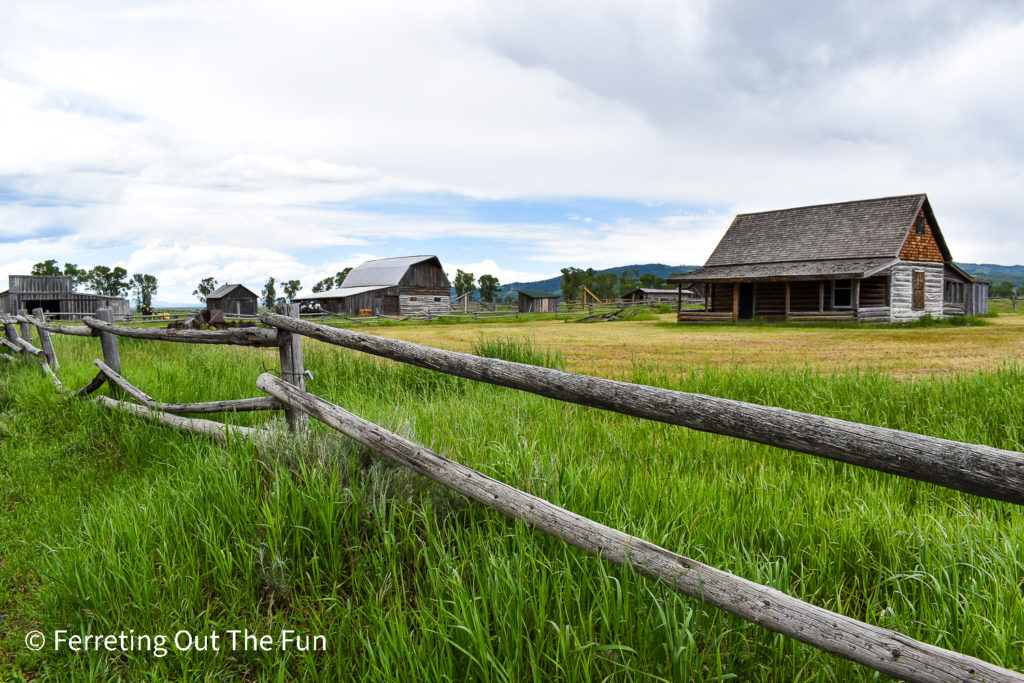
{"x":846,"y":238}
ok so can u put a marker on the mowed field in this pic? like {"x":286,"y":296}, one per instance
{"x":110,"y":525}
{"x":615,"y":349}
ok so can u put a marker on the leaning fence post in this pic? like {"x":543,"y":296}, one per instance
{"x":10,"y":330}
{"x":111,"y":352}
{"x":293,"y":370}
{"x":44,"y":340}
{"x":26,"y":331}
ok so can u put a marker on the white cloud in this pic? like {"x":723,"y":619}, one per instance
{"x":504,"y":275}
{"x":283,"y":135}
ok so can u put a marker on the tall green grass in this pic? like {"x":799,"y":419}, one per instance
{"x":108,"y":524}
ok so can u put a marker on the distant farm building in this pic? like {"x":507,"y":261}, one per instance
{"x":653,"y":295}
{"x":233,"y":300}
{"x":54,"y":294}
{"x":533,"y":301}
{"x":391,"y":286}
{"x":873,"y":260}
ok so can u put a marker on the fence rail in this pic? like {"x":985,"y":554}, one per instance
{"x":981,"y":470}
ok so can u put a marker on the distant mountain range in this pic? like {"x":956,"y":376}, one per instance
{"x":554,"y":284}
{"x":995,"y":273}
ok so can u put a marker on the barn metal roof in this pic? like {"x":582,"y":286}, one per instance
{"x":826,"y":239}
{"x":339,"y":293}
{"x":224,"y":290}
{"x":385,"y":272}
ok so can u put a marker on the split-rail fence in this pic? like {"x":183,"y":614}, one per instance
{"x":976,"y":469}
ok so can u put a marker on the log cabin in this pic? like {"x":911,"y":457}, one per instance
{"x":879,"y":260}
{"x":393,"y":286}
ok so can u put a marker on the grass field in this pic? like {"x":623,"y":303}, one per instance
{"x":108,"y":524}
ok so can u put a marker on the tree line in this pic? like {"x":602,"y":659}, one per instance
{"x":268,"y":295}
{"x":606,"y":285}
{"x":105,"y":280}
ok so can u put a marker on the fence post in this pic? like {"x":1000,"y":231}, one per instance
{"x":111,"y":352}
{"x":10,"y":330}
{"x":293,"y":370}
{"x":26,"y":331}
{"x":44,"y":340}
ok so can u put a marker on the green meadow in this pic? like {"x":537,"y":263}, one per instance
{"x":110,"y":524}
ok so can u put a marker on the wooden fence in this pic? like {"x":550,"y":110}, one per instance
{"x":980,"y":470}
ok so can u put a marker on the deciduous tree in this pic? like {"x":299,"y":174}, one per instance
{"x":48,"y":267}
{"x":489,"y":287}
{"x":109,"y":281}
{"x":144,"y":286}
{"x":339,"y":278}
{"x":205,"y":288}
{"x":269,"y":293}
{"x":325,"y":285}
{"x":464,"y":282}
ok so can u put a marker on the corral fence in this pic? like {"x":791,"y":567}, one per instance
{"x":979,"y":470}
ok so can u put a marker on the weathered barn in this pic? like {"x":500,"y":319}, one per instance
{"x":233,"y":300}
{"x":391,"y":286}
{"x":666,"y":295}
{"x":876,"y":260}
{"x":55,"y":295}
{"x":534,"y":301}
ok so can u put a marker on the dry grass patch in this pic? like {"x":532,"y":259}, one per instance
{"x":613,"y":349}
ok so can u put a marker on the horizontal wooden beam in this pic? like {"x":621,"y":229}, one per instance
{"x":237,"y":336}
{"x":28,"y":348}
{"x":228,"y":406}
{"x":980,"y":470}
{"x":218,"y":430}
{"x":73,"y":330}
{"x":878,"y":648}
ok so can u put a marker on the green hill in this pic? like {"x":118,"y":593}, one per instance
{"x":996,"y":274}
{"x":992,"y":272}
{"x":554,"y":284}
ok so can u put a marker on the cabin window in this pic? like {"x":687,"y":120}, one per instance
{"x":920,"y":227}
{"x":412,"y":298}
{"x":842,"y":294}
{"x":437,"y":298}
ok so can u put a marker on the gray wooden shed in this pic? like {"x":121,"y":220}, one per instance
{"x":55,"y":295}
{"x":535,"y":301}
{"x":234,"y":300}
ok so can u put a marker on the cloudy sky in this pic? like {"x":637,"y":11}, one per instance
{"x":241,"y":140}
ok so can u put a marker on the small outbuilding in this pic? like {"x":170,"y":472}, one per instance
{"x":233,"y":300}
{"x":534,"y":301}
{"x":55,"y":295}
{"x":393,"y":286}
{"x":654,"y":295}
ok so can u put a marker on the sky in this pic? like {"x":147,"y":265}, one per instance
{"x":244,"y":140}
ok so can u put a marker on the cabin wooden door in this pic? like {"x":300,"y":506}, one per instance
{"x":746,"y":300}
{"x":918,"y":289}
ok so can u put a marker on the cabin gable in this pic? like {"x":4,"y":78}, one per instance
{"x":921,"y":244}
